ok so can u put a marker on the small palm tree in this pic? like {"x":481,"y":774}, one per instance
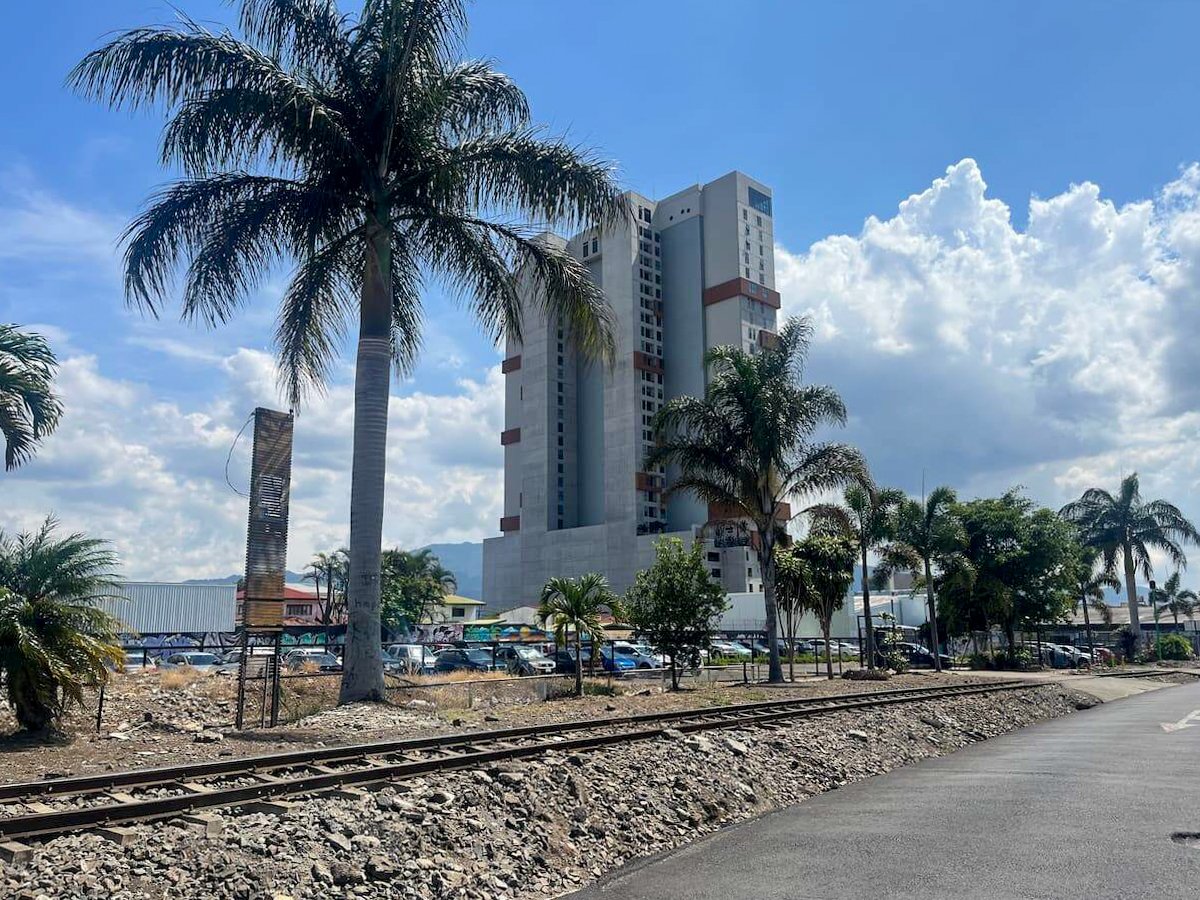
{"x":328,"y":569}
{"x":1126,"y":528}
{"x":29,"y":409}
{"x":864,"y":515}
{"x":573,"y":606}
{"x":749,"y":444}
{"x":1169,"y":598}
{"x":54,"y":642}
{"x":923,"y":532}
{"x":1091,"y":578}
{"x":361,"y":149}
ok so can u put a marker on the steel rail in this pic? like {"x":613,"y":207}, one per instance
{"x":107,"y":781}
{"x":391,"y":760}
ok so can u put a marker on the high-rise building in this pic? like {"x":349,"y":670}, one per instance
{"x":687,"y":273}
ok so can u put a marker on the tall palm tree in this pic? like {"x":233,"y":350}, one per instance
{"x":749,"y":444}
{"x":1126,"y":527}
{"x":922,"y":532}
{"x":1091,"y":578}
{"x":1169,"y":598}
{"x":865,"y":516}
{"x":365,"y":152}
{"x":29,"y":408}
{"x":573,"y":606}
{"x":54,"y":640}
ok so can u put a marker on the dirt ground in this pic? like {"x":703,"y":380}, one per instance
{"x":156,"y":719}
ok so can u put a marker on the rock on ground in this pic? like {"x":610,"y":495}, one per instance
{"x":527,"y":829}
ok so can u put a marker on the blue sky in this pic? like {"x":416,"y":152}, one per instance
{"x":972,"y":297}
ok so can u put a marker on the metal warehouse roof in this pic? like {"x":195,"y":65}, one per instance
{"x":164,"y":608}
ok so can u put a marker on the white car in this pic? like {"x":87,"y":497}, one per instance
{"x":731,"y":649}
{"x":410,"y":659}
{"x":192,"y":659}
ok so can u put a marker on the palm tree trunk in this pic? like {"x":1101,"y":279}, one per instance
{"x":362,"y":678}
{"x":1135,"y":624}
{"x":766,"y":566}
{"x":1087,"y":623}
{"x":933,"y":623}
{"x":578,"y":664}
{"x":825,"y":623}
{"x":866,"y":591}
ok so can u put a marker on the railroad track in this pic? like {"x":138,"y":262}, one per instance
{"x":1146,"y":673}
{"x":45,"y":809}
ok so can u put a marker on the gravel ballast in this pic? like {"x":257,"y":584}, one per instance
{"x":537,"y":828}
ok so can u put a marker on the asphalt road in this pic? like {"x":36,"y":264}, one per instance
{"x":1079,"y":807}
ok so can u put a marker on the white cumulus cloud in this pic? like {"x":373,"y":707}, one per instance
{"x":981,"y":355}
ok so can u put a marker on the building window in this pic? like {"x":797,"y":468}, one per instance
{"x":560,"y":468}
{"x":714,"y":557}
{"x":299,"y":609}
{"x":749,"y":572}
{"x":458,"y":612}
{"x":595,"y":247}
{"x":715,"y":573}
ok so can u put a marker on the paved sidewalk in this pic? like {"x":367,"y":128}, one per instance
{"x":1079,"y":807}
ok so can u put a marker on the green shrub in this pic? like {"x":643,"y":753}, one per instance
{"x":1018,"y":660}
{"x":1175,"y":646}
{"x":980,"y":661}
{"x":866,"y":675}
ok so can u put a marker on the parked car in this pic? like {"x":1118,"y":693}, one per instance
{"x":518,"y":659}
{"x":457,"y":659}
{"x":409,"y":659}
{"x":919,"y":655}
{"x":642,"y":655}
{"x":731,"y":649}
{"x":311,"y":656}
{"x":836,"y":648}
{"x":137,"y":661}
{"x":564,"y":661}
{"x":193,"y":659}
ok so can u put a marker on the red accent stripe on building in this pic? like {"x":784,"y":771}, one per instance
{"x":646,"y":362}
{"x":741,"y":287}
{"x":511,"y":364}
{"x":510,"y":523}
{"x":512,"y":436}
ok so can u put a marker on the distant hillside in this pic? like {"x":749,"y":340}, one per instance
{"x":289,"y":576}
{"x":465,"y":560}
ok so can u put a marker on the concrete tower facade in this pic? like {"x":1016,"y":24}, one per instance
{"x":687,"y":273}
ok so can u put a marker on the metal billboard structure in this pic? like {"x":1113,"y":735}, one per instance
{"x":266,"y":559}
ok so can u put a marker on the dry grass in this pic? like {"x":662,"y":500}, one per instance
{"x":179,"y":678}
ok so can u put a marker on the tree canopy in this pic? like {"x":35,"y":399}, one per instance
{"x":1017,"y":567}
{"x":674,"y":604}
{"x":29,"y":408}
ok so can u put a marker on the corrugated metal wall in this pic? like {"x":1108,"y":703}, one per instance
{"x":161,"y":608}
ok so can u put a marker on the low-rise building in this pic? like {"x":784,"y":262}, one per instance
{"x":157,"y":607}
